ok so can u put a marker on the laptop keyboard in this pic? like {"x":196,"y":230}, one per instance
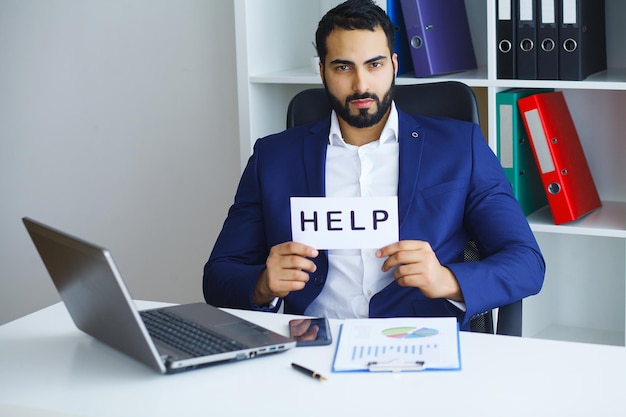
{"x":186,"y":335}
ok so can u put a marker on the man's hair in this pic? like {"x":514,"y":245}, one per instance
{"x":351,"y":15}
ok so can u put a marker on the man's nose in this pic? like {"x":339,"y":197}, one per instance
{"x":360,"y":82}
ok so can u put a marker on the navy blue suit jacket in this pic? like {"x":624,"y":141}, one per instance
{"x":451,"y":189}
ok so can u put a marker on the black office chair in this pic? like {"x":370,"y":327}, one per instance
{"x":444,"y":98}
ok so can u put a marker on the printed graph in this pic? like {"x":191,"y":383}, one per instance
{"x":397,"y":343}
{"x":409,"y":332}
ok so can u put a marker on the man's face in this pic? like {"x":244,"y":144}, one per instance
{"x":359,"y":74}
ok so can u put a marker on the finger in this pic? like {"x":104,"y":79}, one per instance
{"x":295,"y":248}
{"x":291,"y":262}
{"x":400,"y":246}
{"x":407,"y":253}
{"x":402,"y":258}
{"x":287,"y":276}
{"x":288,"y":281}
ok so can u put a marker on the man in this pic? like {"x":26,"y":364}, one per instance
{"x":450,"y":187}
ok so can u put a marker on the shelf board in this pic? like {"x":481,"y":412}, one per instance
{"x":611,"y":79}
{"x":607,"y":221}
{"x":580,"y":335}
{"x":303,"y":75}
{"x":473,"y":78}
{"x":306,"y":75}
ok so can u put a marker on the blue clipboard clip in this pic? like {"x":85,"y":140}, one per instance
{"x":395,"y":365}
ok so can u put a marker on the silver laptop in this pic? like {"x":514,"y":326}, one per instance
{"x":167,"y":339}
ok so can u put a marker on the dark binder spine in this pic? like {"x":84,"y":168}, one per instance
{"x":505,"y":38}
{"x":526,"y":39}
{"x":401,"y":43}
{"x":439,"y":36}
{"x":415,"y":37}
{"x":548,"y":39}
{"x":582,"y":35}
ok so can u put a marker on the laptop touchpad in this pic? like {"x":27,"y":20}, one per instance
{"x":246,"y":333}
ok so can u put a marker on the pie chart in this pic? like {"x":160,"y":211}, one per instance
{"x":409,"y":332}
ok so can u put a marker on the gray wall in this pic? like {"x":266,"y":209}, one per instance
{"x":118,"y":123}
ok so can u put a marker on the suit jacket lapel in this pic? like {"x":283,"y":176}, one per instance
{"x":411,"y":141}
{"x":314,"y":146}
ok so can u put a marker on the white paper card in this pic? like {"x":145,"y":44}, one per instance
{"x":344,"y":223}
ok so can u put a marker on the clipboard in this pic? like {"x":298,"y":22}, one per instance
{"x":404,"y":344}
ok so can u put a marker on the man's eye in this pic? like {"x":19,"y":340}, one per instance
{"x":376,"y":64}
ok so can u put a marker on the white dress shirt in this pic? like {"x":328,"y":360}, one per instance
{"x":371,"y":170}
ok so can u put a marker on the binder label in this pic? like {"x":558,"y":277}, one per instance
{"x":548,"y":16}
{"x":526,"y":10}
{"x":506,"y":135}
{"x":540,"y":141}
{"x":504,"y":9}
{"x":569,"y":12}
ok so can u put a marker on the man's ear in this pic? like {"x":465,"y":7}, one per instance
{"x":394,"y":59}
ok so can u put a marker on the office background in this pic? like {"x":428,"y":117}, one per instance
{"x":118,"y":123}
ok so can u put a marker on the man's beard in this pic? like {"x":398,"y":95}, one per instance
{"x":363,"y":118}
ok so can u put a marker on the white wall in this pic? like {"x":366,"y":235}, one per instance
{"x":118,"y":123}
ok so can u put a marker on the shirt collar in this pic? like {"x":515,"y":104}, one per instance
{"x":388,"y":135}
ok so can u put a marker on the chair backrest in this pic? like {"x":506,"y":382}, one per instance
{"x":509,"y":316}
{"x":444,"y":98}
{"x":509,"y":321}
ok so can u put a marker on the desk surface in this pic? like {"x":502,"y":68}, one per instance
{"x":49,"y":368}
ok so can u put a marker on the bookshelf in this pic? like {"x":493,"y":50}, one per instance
{"x":584,"y":295}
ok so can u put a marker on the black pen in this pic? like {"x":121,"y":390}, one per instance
{"x":307,"y":371}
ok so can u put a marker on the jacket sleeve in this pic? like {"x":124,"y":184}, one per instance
{"x":240,"y":251}
{"x":511,"y":265}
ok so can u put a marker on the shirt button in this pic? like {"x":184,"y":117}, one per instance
{"x":369,"y":293}
{"x":414,"y":134}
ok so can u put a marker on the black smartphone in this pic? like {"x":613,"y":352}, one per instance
{"x":310,"y":331}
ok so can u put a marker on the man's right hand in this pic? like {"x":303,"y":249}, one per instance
{"x":287,"y":269}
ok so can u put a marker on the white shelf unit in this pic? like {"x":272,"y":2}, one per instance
{"x":584,"y":295}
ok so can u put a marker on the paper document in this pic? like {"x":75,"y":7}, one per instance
{"x":398,"y":344}
{"x":344,"y":223}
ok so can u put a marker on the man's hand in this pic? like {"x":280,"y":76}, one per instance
{"x":286,"y":270}
{"x":418,"y":266}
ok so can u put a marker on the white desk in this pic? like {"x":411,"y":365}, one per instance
{"x":49,"y":368}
